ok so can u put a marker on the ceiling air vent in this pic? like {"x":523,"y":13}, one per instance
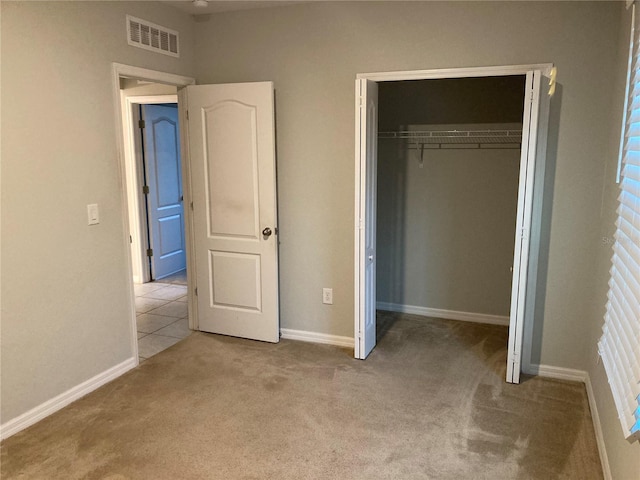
{"x":150,"y":36}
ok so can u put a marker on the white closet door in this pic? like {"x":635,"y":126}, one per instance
{"x":523,"y":224}
{"x":367,"y":96}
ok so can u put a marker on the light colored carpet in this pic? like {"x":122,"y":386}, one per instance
{"x":429,"y":403}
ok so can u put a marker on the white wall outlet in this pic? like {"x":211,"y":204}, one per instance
{"x":327,"y":296}
{"x":93,"y":216}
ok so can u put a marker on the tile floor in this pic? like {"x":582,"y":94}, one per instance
{"x":161,"y":310}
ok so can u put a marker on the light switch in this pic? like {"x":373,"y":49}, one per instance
{"x":92,"y":214}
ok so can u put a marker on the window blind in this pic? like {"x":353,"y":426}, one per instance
{"x":619,"y":345}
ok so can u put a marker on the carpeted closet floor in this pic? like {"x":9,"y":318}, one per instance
{"x":429,"y":403}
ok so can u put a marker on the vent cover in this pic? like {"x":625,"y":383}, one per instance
{"x":147,"y":35}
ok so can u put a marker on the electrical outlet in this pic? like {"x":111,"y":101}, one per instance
{"x":327,"y":296}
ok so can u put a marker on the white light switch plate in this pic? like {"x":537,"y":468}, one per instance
{"x":93,"y":216}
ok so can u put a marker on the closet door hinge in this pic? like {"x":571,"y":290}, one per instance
{"x":149,"y":252}
{"x":145,"y":189}
{"x":186,"y":112}
{"x":141,"y":123}
{"x":360,"y":101}
{"x":195,"y":291}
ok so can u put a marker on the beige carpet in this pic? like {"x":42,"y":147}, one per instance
{"x":429,"y":403}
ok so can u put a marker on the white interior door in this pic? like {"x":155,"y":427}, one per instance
{"x":523,"y":224}
{"x":164,"y":194}
{"x":231,"y":139}
{"x":367,"y":157}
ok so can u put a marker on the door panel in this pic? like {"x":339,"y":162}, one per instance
{"x":533,"y":94}
{"x":233,"y":207}
{"x":236,"y":281}
{"x":164,"y":179}
{"x":232,"y":160}
{"x":368,"y":157}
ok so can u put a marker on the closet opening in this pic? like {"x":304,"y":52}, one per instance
{"x":444,"y":170}
{"x":447,"y":195}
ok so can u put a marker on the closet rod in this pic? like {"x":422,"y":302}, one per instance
{"x":446,"y":137}
{"x":463,"y":146}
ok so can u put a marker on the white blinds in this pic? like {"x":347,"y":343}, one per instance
{"x":619,"y":345}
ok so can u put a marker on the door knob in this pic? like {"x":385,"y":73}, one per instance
{"x":267,"y":232}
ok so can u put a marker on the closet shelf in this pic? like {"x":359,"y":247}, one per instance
{"x":438,"y":138}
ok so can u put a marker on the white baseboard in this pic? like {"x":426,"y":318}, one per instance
{"x":597,"y":427}
{"x":446,"y":314}
{"x":45,"y":409}
{"x":580,"y":376}
{"x":559,"y":373}
{"x":314,"y":337}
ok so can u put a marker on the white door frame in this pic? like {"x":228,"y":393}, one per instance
{"x":135,"y":180}
{"x":525,"y":278}
{"x":119,"y":71}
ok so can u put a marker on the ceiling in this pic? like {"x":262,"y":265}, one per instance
{"x":217,"y":6}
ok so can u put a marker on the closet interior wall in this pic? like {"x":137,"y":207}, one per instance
{"x":446,"y":213}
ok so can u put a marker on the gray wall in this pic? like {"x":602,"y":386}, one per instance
{"x":132,"y":88}
{"x":446,"y":230}
{"x":313,"y":52}
{"x":66,"y":305}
